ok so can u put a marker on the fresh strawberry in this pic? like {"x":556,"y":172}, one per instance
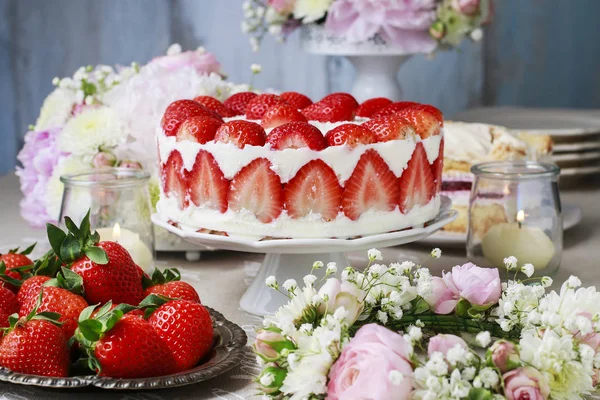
{"x":371,"y":106}
{"x":372,"y":186}
{"x":390,"y":127}
{"x":173,"y":179}
{"x":345,"y":98}
{"x":437,"y":168}
{"x":169,"y":284}
{"x":393,"y":108}
{"x":236,"y":103}
{"x":258,"y":106}
{"x":314,"y":189}
{"x":179,"y":111}
{"x":4,"y":318}
{"x":350,"y":135}
{"x":417,"y":185}
{"x":257,"y":188}
{"x":31,"y":288}
{"x":280,"y":114}
{"x":206,"y":183}
{"x":60,"y":301}
{"x":12,"y":266}
{"x":295,"y":135}
{"x":241,"y":133}
{"x":296,"y":99}
{"x":8,"y":301}
{"x":431,"y":110}
{"x":122,"y":345}
{"x":198,"y":129}
{"x":329,"y":111}
{"x":215,"y":105}
{"x":425,"y":123}
{"x":186,"y":327}
{"x":34,"y":345}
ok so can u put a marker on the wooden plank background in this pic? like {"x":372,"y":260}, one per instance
{"x":537,"y":52}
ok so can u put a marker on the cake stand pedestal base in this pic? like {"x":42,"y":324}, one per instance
{"x":262,"y":300}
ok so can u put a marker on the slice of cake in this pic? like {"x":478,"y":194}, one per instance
{"x":280,"y":166}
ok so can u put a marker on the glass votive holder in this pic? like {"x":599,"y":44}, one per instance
{"x":514,"y":210}
{"x":119,"y":206}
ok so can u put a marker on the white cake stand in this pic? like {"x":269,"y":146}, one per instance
{"x":293,"y":258}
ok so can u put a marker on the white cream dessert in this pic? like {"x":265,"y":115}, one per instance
{"x":296,"y":177}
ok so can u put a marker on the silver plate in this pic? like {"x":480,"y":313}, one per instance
{"x":227,"y":353}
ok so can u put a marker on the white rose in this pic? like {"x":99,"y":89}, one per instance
{"x":339,"y":295}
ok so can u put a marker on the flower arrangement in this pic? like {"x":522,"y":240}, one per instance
{"x":105,"y":116}
{"x":413,"y":26}
{"x":396,"y":332}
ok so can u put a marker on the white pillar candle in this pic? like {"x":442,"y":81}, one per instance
{"x":140,"y":253}
{"x":527,"y":243}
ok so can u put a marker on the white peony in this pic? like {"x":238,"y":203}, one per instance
{"x":93,"y":128}
{"x":56,"y":109}
{"x":311,"y":10}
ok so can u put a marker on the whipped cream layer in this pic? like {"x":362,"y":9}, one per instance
{"x":244,"y":224}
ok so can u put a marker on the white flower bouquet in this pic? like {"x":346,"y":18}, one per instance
{"x":396,"y":332}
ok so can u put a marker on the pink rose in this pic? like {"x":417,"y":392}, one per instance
{"x":467,"y":7}
{"x":104,"y":159}
{"x":367,"y":365}
{"x":202,"y":61}
{"x":592,"y":339}
{"x":270,"y":342}
{"x":525,"y":383}
{"x":441,"y":299}
{"x":282,"y":6}
{"x":479,"y":286}
{"x":441,"y":343}
{"x":504,"y":355}
{"x":344,"y":295}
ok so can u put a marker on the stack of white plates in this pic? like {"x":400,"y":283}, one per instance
{"x":576,"y":133}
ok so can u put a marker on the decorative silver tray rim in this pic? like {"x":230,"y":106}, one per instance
{"x":227,"y":353}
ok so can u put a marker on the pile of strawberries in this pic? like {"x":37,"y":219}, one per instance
{"x":85,"y":307}
{"x":315,"y":188}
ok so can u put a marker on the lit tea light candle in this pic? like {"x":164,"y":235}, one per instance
{"x":527,"y":243}
{"x":140,"y":253}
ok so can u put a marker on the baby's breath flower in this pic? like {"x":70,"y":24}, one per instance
{"x":309,"y":280}
{"x":436,"y":253}
{"x":271,"y":282}
{"x":306,"y":328}
{"x":477,"y":34}
{"x":347,"y":274}
{"x":396,"y":377}
{"x":407,"y":266}
{"x":254,"y":44}
{"x":318,"y":265}
{"x":419,"y":323}
{"x":415,"y":333}
{"x":374,"y":255}
{"x":382,"y":317}
{"x":573,"y":282}
{"x":290,"y":284}
{"x":510,"y":263}
{"x":256,"y":68}
{"x":546,"y":281}
{"x":331,"y":268}
{"x":483,"y":338}
{"x":267,"y":379}
{"x":174,"y":49}
{"x":528,"y":269}
{"x":56,"y":81}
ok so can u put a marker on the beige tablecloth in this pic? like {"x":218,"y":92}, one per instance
{"x":222,"y":277}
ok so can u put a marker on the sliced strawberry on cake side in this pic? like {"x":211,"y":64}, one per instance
{"x":295,"y":135}
{"x":417,"y":183}
{"x":180,"y":110}
{"x":241,"y":133}
{"x":280,"y":114}
{"x":236,"y":103}
{"x":214,"y":104}
{"x":258,"y":106}
{"x":350,"y":135}
{"x":207,"y":185}
{"x":198,"y":129}
{"x":314,"y":189}
{"x":371,"y":187}
{"x":390,"y":127}
{"x":296,"y":99}
{"x":393,"y":108}
{"x":371,"y":106}
{"x":257,"y":188}
{"x":437,"y":168}
{"x":426,"y":123}
{"x":173,"y":179}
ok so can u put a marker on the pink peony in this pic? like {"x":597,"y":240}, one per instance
{"x":441,"y":298}
{"x":365,"y":366}
{"x":404,"y":24}
{"x":525,"y":383}
{"x":282,"y":6}
{"x":441,"y":343}
{"x":504,"y":355}
{"x":467,"y":7}
{"x":202,"y":61}
{"x":39,"y":157}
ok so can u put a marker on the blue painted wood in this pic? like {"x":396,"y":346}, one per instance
{"x":9,"y":119}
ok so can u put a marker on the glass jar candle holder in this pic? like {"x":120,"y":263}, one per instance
{"x":119,"y":206}
{"x":514,"y":210}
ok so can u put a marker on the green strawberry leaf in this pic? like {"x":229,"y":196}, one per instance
{"x":52,"y":282}
{"x":37,"y":305}
{"x":48,"y":265}
{"x":104,"y":309}
{"x":49,"y":316}
{"x":125,"y":308}
{"x":84,"y":228}
{"x":72,"y":227}
{"x":56,"y":237}
{"x":154,"y":300}
{"x":13,"y":319}
{"x":70,"y":250}
{"x":28,"y":250}
{"x":172,"y":274}
{"x":97,"y":255}
{"x":95,"y":238}
{"x":109,"y":320}
{"x":146,"y":282}
{"x":157,"y":277}
{"x":87,"y":312}
{"x":70,"y":280}
{"x":91,"y":329}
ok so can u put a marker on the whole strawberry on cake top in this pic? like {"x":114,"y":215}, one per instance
{"x":281,"y":166}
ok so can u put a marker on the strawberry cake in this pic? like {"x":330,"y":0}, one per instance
{"x":280,"y":166}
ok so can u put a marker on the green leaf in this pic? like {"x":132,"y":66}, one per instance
{"x":2,"y":267}
{"x":97,"y":255}
{"x":70,"y":249}
{"x":147,"y":282}
{"x":48,"y":315}
{"x":84,"y":228}
{"x":72,"y":227}
{"x":52,"y":282}
{"x":91,"y":329}
{"x":421,"y":306}
{"x":37,"y":305}
{"x":47,"y":265}
{"x":462,"y":308}
{"x":95,"y":237}
{"x":125,"y":308}
{"x":172,"y":274}
{"x":13,"y":319}
{"x":28,"y":250}
{"x":56,"y":237}
{"x":70,"y":280}
{"x":480,"y":394}
{"x":104,"y":309}
{"x":157,"y":277}
{"x":475,"y":314}
{"x":154,"y":300}
{"x":109,"y":320}
{"x":87,"y":312}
